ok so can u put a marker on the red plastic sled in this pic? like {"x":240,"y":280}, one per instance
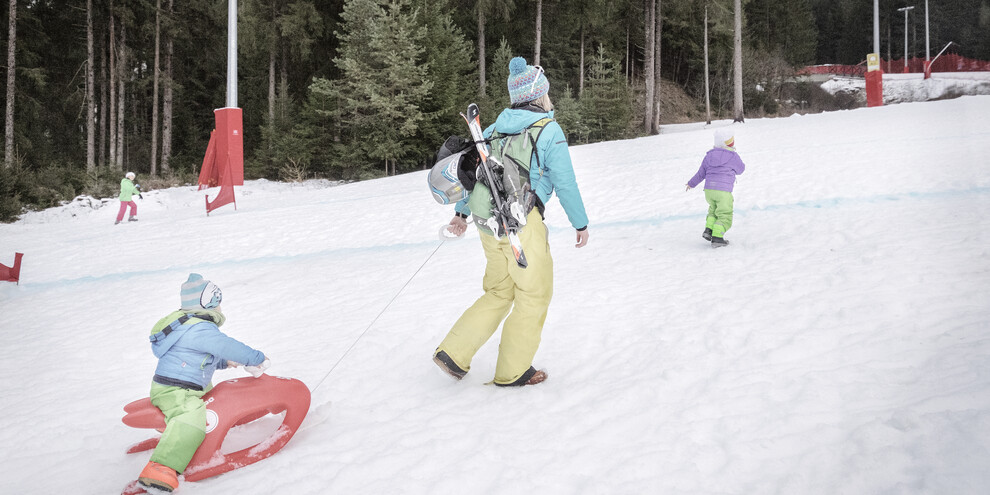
{"x":231,"y":403}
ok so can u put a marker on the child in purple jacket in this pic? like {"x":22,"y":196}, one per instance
{"x":719,"y":170}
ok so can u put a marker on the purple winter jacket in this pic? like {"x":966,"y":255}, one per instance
{"x":719,"y":170}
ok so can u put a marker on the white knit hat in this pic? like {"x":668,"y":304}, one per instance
{"x":130,"y":175}
{"x":199,"y":293}
{"x":725,"y":138}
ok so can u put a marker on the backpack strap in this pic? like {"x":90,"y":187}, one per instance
{"x":171,"y":327}
{"x":542,"y":124}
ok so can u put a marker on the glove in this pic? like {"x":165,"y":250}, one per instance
{"x":140,"y":196}
{"x":259,"y":369}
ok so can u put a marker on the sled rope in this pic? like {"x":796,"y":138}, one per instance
{"x":353,"y":344}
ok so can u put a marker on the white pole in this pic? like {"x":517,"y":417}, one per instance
{"x":905,"y":10}
{"x":876,"y":27}
{"x":231,"y":53}
{"x":927,"y":46}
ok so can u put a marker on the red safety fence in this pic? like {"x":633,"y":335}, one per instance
{"x":949,"y":62}
{"x":833,"y":69}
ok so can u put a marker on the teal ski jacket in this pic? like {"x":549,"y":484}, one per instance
{"x":555,"y":172}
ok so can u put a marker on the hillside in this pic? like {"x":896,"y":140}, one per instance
{"x":839,"y":345}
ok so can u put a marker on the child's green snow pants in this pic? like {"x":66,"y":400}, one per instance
{"x":526,"y":291}
{"x":719,"y":211}
{"x":185,"y":424}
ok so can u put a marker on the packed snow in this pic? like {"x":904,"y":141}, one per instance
{"x":913,"y":87}
{"x":840,"y":344}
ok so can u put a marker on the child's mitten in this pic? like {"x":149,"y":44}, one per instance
{"x":258,"y":370}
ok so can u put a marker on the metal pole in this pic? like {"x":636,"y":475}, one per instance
{"x":927,"y":46}
{"x":876,"y":27}
{"x":905,"y":10}
{"x":231,"y":53}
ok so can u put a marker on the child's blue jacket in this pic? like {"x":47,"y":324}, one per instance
{"x":194,"y":348}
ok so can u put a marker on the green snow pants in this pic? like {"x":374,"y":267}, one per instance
{"x":719,"y":211}
{"x":185,"y":424}
{"x":526,"y":291}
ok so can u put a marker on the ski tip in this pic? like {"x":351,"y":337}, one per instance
{"x":521,"y":261}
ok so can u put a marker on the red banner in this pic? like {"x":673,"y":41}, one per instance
{"x":12,"y":273}
{"x":226,"y":195}
{"x":225,"y":153}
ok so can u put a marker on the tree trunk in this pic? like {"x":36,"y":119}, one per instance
{"x":708,"y":101}
{"x":628,"y":60}
{"x":90,"y":95}
{"x":539,"y":31}
{"x":8,"y":156}
{"x":283,"y":84}
{"x":649,"y":56}
{"x":481,"y":52}
{"x":581,"y":64}
{"x":737,"y":107}
{"x":657,"y":30}
{"x":271,"y":85}
{"x":102,"y":113}
{"x":121,"y":99}
{"x":167,"y":99}
{"x":112,"y":44}
{"x":154,"y":103}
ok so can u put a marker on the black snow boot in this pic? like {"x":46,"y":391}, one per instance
{"x":719,"y":242}
{"x":448,"y":365}
{"x":707,"y":234}
{"x":532,"y":376}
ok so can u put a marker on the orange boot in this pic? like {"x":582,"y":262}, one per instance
{"x":159,"y":476}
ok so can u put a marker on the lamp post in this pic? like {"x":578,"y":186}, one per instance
{"x":876,"y":27}
{"x":874,"y":73}
{"x":905,"y":10}
{"x":231,"y":53}
{"x":927,"y":46}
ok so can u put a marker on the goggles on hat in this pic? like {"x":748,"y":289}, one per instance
{"x":211,"y":296}
{"x":539,"y":70}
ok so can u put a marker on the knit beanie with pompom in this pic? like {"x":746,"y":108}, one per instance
{"x":526,"y":82}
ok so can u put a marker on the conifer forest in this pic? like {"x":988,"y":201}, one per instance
{"x":357,"y":89}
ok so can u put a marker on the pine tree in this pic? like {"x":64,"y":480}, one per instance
{"x":498,"y":91}
{"x":605,"y":106}
{"x":384,"y":83}
{"x":11,"y":70}
{"x":451,"y":70}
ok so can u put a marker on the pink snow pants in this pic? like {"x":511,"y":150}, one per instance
{"x":123,"y":208}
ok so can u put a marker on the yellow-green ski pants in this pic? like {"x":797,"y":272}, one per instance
{"x":719,"y":217}
{"x":526,"y":291}
{"x":185,"y":424}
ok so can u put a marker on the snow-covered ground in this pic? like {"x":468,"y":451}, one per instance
{"x":840,"y":345}
{"x":904,"y":88}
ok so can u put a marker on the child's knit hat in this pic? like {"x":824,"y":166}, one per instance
{"x":130,"y":175}
{"x":526,"y":82}
{"x":725,"y":139}
{"x":199,"y":293}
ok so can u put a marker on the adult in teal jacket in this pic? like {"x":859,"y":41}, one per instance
{"x":127,"y":192}
{"x":190,"y":347}
{"x":524,"y":291}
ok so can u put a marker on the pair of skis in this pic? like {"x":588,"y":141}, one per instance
{"x":509,"y":214}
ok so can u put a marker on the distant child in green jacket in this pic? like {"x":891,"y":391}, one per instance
{"x":127,"y":191}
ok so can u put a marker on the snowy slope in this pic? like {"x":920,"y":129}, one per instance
{"x":839,"y":345}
